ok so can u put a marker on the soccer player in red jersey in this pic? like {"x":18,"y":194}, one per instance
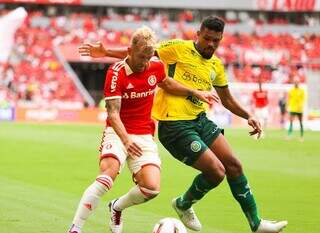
{"x":260,"y":101}
{"x":128,"y":137}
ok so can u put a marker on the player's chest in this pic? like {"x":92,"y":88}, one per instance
{"x":198,"y":73}
{"x":261,"y":95}
{"x":139,"y":86}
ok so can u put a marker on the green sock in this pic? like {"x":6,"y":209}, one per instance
{"x":242,"y":193}
{"x":290,"y":129}
{"x":301,"y":130}
{"x":199,"y":188}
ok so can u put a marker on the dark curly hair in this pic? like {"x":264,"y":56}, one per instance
{"x":213,"y":23}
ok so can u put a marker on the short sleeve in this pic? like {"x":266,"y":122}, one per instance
{"x":220,"y":79}
{"x":167,"y":51}
{"x":112,"y":85}
{"x":162,"y":72}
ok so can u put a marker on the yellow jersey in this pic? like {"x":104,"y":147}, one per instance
{"x":296,"y":98}
{"x":188,"y":67}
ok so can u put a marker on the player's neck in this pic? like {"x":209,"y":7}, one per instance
{"x":132,"y":67}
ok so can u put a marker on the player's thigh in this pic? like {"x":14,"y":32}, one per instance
{"x":147,"y":163}
{"x":221,"y":148}
{"x":292,"y":116}
{"x":182,"y":140}
{"x":109,"y":166}
{"x":265,"y":113}
{"x":112,"y":151}
{"x":149,"y":177}
{"x":208,"y":130}
{"x":210,"y":166}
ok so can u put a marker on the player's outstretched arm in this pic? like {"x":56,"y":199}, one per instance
{"x":173,"y":87}
{"x":97,"y":50}
{"x":232,"y":105}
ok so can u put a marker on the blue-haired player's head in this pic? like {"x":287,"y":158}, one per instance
{"x":209,"y":36}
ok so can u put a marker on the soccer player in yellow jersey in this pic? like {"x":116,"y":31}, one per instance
{"x":186,"y":132}
{"x":296,"y":100}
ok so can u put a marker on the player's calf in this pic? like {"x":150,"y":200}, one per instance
{"x":89,"y":201}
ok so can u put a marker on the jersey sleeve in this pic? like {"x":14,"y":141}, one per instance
{"x":220,"y":79}
{"x":112,"y":85}
{"x":168,"y":51}
{"x":303,"y":96}
{"x":162,"y":72}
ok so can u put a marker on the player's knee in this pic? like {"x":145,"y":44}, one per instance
{"x":150,"y":192}
{"x":220,"y":173}
{"x":216,"y":174}
{"x":109,"y":166}
{"x":234,"y":168}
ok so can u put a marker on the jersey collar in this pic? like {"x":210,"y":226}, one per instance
{"x":127,"y":68}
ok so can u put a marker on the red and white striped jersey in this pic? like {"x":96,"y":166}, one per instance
{"x":136,"y":91}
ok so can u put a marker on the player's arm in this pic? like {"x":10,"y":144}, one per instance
{"x":97,"y":50}
{"x":113,"y":109}
{"x":175,"y":88}
{"x":233,"y":106}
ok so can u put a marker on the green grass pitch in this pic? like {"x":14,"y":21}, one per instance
{"x":45,"y":168}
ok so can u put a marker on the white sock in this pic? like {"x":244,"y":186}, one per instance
{"x":90,"y":199}
{"x":135,"y":196}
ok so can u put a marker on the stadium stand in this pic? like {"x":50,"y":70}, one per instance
{"x":249,"y":55}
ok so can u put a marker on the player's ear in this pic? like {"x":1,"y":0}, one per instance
{"x":198,"y":33}
{"x":129,"y":50}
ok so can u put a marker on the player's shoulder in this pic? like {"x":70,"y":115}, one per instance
{"x":117,"y":66}
{"x":155,"y":61}
{"x":157,"y":64}
{"x":173,"y":42}
{"x":216,"y":60}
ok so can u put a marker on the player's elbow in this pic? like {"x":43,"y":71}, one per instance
{"x":113,"y":117}
{"x":169,"y":85}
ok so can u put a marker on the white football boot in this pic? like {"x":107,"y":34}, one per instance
{"x":115,"y":223}
{"x":188,"y":217}
{"x":271,"y":226}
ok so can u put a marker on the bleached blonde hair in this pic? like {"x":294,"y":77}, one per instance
{"x":144,"y":36}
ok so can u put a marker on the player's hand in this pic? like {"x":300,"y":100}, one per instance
{"x":206,"y":96}
{"x":255,"y":124}
{"x":133,"y":149}
{"x":95,"y":50}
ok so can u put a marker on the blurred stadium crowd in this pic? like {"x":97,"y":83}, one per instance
{"x":34,"y":74}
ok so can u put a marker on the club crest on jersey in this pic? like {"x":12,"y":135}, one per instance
{"x":212,"y":75}
{"x":195,"y":146}
{"x":152,"y":80}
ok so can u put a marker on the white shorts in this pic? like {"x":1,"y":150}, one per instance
{"x":111,"y":146}
{"x":262,"y":114}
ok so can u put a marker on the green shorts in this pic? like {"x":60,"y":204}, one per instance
{"x":295,"y":114}
{"x":186,"y":140}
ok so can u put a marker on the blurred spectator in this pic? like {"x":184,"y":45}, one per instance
{"x":260,"y":103}
{"x":282,"y":106}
